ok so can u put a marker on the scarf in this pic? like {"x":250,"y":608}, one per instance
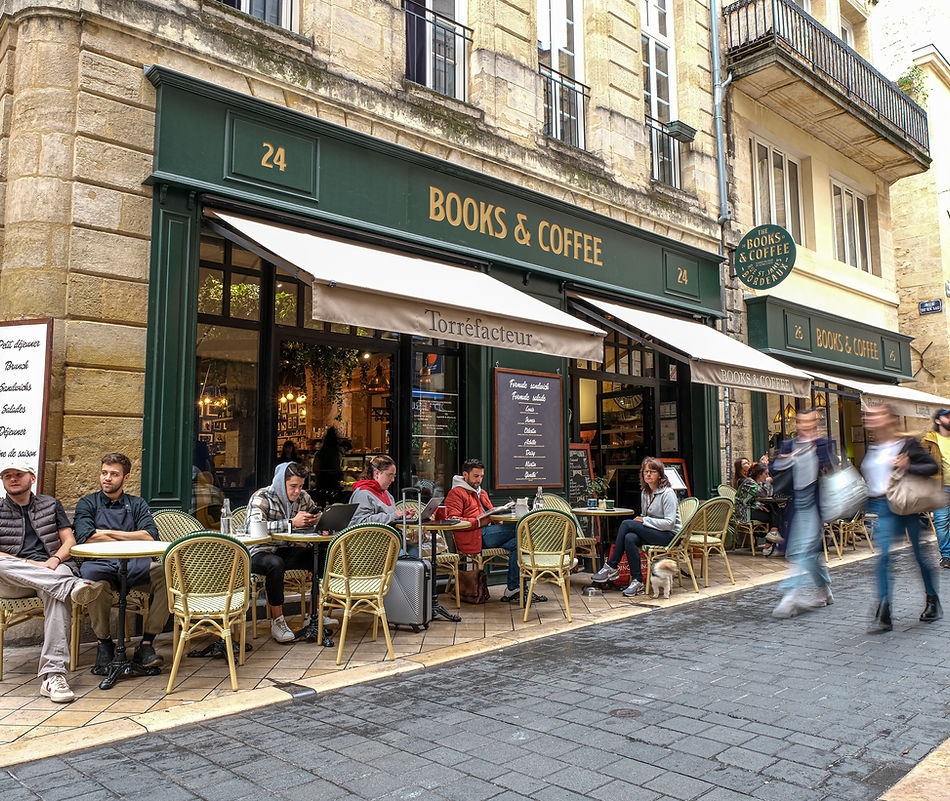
{"x":372,"y":485}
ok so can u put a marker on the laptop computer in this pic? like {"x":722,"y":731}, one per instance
{"x":337,"y":517}
{"x":429,"y":511}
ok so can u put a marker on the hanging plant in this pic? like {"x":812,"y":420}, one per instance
{"x":330,"y":365}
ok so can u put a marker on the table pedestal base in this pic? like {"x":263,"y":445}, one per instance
{"x":124,"y":669}
{"x":440,"y":611}
{"x":311,"y":632}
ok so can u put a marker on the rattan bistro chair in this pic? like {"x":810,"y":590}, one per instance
{"x":14,"y":611}
{"x":173,"y":524}
{"x":584,"y":547}
{"x":678,"y":550}
{"x":708,"y":527}
{"x":546,"y":553}
{"x":208,"y":579}
{"x":360,"y":565}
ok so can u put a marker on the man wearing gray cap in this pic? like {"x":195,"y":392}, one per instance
{"x":35,"y":538}
{"x":937,"y":443}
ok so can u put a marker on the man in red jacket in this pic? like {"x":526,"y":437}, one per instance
{"x":468,"y":501}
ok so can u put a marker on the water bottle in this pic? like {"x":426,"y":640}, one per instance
{"x":226,"y":517}
{"x":539,"y":499}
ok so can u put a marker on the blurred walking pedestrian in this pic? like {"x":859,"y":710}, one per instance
{"x":806,"y":455}
{"x":891,"y":451}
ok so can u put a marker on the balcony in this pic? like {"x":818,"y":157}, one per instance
{"x":664,"y":154}
{"x":784,"y":59}
{"x":565,"y":107}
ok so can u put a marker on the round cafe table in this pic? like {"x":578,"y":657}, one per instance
{"x":311,"y":628}
{"x":121,"y":667}
{"x":599,"y":514}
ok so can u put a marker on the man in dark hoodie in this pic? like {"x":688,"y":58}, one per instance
{"x":468,"y":501}
{"x":281,"y":505}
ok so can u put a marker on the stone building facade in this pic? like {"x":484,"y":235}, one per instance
{"x":84,"y":197}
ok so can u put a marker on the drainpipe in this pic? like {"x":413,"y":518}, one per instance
{"x":719,"y":87}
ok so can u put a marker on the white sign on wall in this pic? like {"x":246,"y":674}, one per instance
{"x":25,"y":351}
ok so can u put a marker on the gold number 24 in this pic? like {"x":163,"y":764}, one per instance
{"x":274,"y":157}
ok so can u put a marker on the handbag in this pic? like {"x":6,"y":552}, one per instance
{"x":910,"y":494}
{"x":842,"y":492}
{"x":473,"y":587}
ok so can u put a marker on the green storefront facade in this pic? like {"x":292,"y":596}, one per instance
{"x":220,"y":151}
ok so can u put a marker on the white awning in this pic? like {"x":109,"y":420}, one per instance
{"x":713,"y":357}
{"x":907,"y":402}
{"x":372,"y":287}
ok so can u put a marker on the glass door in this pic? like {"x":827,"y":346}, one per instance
{"x":627,"y":436}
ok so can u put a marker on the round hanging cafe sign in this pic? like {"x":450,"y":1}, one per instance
{"x":765,"y":256}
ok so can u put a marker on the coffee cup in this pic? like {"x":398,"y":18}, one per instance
{"x":610,"y":504}
{"x":441,"y":513}
{"x":591,"y":503}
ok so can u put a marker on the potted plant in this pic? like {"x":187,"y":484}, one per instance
{"x":597,"y":488}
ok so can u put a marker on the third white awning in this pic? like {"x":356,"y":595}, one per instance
{"x":713,"y":357}
{"x":907,"y":401}
{"x":357,"y":284}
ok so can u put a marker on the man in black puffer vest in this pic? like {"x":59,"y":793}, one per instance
{"x":35,"y":538}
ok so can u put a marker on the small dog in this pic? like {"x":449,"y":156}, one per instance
{"x":663,"y":573}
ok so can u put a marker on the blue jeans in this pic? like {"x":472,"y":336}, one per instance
{"x":889,"y":528}
{"x":502,"y":535}
{"x":804,"y":550}
{"x":942,"y":525}
{"x":630,"y":536}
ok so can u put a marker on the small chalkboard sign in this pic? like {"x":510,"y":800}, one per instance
{"x":580,"y":472}
{"x":529,"y":430}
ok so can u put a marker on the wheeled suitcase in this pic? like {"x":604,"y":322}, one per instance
{"x":409,"y":600}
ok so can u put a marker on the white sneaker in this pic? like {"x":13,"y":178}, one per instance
{"x":635,"y":587}
{"x":606,"y":573}
{"x":85,"y":592}
{"x":280,"y":631}
{"x":788,"y":606}
{"x":329,"y":621}
{"x":56,"y":689}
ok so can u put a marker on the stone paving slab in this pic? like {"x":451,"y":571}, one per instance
{"x":715,"y":701}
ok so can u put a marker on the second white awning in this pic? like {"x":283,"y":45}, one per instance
{"x":713,"y":357}
{"x":907,"y":401}
{"x":357,"y":284}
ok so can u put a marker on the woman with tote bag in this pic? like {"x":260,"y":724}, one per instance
{"x":889,"y":452}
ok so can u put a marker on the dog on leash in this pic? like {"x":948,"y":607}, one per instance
{"x":663,"y":573}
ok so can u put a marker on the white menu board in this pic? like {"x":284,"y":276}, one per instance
{"x":25,"y":349}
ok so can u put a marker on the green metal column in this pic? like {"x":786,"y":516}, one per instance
{"x":168,"y":424}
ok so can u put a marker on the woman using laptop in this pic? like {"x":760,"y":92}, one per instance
{"x":371,"y":493}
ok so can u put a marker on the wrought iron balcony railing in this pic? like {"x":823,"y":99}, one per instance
{"x":565,"y":107}
{"x":664,"y":154}
{"x":754,"y":25}
{"x":436,"y":50}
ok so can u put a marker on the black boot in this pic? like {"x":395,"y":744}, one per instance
{"x":932,"y":611}
{"x":882,"y":618}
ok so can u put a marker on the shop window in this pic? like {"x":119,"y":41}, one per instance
{"x":776,"y":187}
{"x":437,"y":45}
{"x":850,"y":217}
{"x":286,"y":301}
{"x":561,"y":64}
{"x":276,"y":12}
{"x":435,"y":416}
{"x":226,"y":408}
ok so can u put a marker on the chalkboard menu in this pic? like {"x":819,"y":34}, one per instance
{"x":25,"y":354}
{"x":529,"y":430}
{"x":580,"y":471}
